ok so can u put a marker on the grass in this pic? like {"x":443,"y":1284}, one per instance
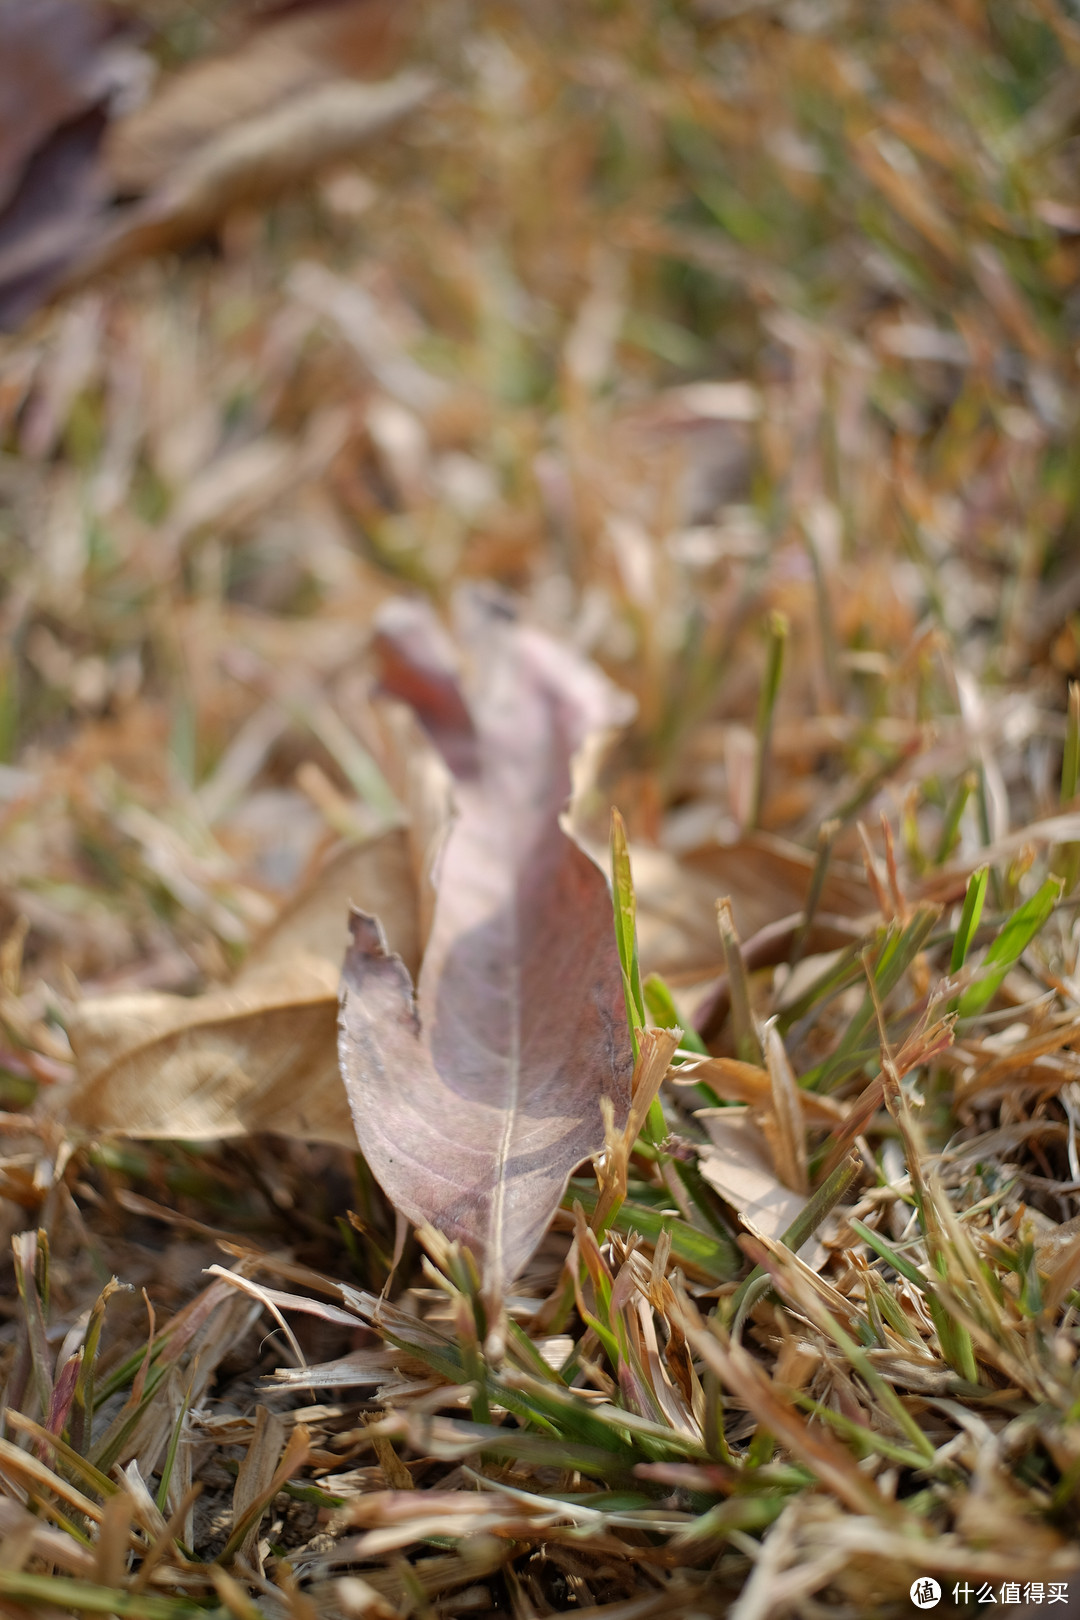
{"x":842,"y":593}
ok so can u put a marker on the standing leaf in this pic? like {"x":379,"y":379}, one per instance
{"x":476,"y":1097}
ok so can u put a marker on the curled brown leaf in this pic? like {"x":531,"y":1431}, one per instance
{"x":476,"y":1097}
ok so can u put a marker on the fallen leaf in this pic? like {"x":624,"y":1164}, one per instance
{"x":250,"y":1058}
{"x":51,"y":218}
{"x":259,"y":1054}
{"x":254,"y":161}
{"x":62,"y":65}
{"x":676,"y":916}
{"x":476,"y":1096}
{"x":82,"y":189}
{"x":377,"y":875}
{"x":54,"y":68}
{"x":421,"y":784}
{"x":767,"y":878}
{"x":270,"y":63}
{"x":738,"y":1164}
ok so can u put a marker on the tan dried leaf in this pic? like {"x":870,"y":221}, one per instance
{"x":260,"y":1054}
{"x":256,"y":160}
{"x":270,"y":65}
{"x":738,"y":1164}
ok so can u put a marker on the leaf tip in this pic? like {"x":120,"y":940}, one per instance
{"x":366,"y":934}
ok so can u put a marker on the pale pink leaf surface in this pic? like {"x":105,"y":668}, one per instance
{"x":474,"y":1100}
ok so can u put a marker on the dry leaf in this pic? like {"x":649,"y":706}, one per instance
{"x":676,"y":916}
{"x":52,"y":217}
{"x":81,"y":191}
{"x":259,"y":1055}
{"x":61,"y":63}
{"x":377,"y":875}
{"x":55,"y":66}
{"x":256,"y":1471}
{"x":475,"y":1099}
{"x":767,"y":878}
{"x":421,"y":784}
{"x":783,"y":1120}
{"x":739,"y":1082}
{"x":255,"y":160}
{"x":272,"y":63}
{"x":738,"y":1164}
{"x":250,"y":1058}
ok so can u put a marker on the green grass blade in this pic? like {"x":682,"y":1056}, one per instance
{"x":806,"y":1222}
{"x":170,"y":1455}
{"x":969,"y":917}
{"x":886,"y":1252}
{"x":660,"y":1005}
{"x":83,"y":1597}
{"x":950,"y":829}
{"x":1013,"y":939}
{"x":710,"y":1255}
{"x":868,"y":1441}
{"x":896,"y":952}
{"x":955,"y":1341}
{"x":778,"y":634}
{"x":1070,"y":763}
{"x":626,"y":926}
